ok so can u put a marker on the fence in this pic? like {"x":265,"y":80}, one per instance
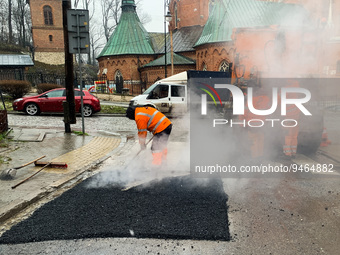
{"x":3,"y":115}
{"x":128,"y":86}
{"x":3,"y":121}
{"x":120,"y":86}
{"x":37,"y":78}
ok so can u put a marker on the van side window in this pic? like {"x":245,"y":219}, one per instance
{"x":161,"y":91}
{"x":177,"y":91}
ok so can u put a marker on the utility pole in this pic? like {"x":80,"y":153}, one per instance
{"x":69,"y":105}
{"x":165,"y":63}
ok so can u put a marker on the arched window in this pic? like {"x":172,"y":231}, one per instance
{"x":119,"y":81}
{"x":48,"y":17}
{"x":224,"y":66}
{"x":118,"y":75}
{"x":50,"y":37}
{"x":204,"y":67}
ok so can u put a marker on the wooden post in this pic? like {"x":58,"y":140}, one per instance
{"x":172,"y":53}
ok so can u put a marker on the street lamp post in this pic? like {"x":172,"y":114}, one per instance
{"x":167,"y":18}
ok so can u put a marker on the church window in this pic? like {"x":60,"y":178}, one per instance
{"x":48,"y":17}
{"x":118,"y":75}
{"x":224,"y":66}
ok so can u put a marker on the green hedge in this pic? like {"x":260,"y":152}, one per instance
{"x":42,"y":87}
{"x":14,"y":88}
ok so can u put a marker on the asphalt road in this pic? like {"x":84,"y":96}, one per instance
{"x":177,"y":208}
{"x":280,"y":215}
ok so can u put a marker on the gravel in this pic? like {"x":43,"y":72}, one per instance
{"x":96,"y":123}
{"x":177,"y":208}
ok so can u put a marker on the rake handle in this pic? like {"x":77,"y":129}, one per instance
{"x":31,"y":175}
{"x":29,"y":162}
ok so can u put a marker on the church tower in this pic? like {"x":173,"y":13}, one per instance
{"x":128,"y":48}
{"x":47,"y":30}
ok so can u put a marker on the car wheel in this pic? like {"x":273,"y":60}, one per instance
{"x":87,"y":110}
{"x":32,"y":109}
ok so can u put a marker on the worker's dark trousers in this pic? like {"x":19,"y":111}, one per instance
{"x":159,"y":146}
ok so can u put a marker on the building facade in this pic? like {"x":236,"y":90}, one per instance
{"x":47,"y":30}
{"x":204,"y":34}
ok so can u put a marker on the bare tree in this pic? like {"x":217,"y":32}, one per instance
{"x":3,"y":20}
{"x":21,"y":16}
{"x":143,"y":16}
{"x":10,"y":29}
{"x":96,"y":43}
{"x":110,"y":11}
{"x":88,"y":5}
{"x":15,"y":22}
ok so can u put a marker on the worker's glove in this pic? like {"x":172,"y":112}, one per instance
{"x":142,"y":146}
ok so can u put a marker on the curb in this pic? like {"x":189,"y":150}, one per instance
{"x":15,"y":208}
{"x":94,"y":115}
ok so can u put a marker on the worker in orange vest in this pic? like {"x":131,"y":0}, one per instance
{"x":291,"y":135}
{"x":150,"y":119}
{"x":256,"y":134}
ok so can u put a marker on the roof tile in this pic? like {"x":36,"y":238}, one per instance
{"x":129,"y":37}
{"x":230,"y":14}
{"x":178,"y":60}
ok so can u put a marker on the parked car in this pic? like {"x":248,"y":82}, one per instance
{"x":52,"y":101}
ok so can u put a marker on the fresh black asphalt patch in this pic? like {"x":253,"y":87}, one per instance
{"x":176,"y":208}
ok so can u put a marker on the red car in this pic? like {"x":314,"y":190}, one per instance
{"x":52,"y":101}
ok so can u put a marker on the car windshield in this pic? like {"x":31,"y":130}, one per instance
{"x":146,"y":92}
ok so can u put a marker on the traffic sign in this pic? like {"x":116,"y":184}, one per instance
{"x":78,"y":31}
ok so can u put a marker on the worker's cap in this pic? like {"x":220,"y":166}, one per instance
{"x":130,"y":112}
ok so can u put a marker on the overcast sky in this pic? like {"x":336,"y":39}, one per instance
{"x":156,"y":11}
{"x":154,"y":8}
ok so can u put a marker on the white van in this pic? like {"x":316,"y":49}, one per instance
{"x":168,"y":95}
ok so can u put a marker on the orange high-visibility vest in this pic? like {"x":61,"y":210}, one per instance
{"x":150,"y":119}
{"x":260,"y":102}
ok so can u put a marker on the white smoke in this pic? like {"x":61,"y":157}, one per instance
{"x":290,"y":59}
{"x":129,"y":170}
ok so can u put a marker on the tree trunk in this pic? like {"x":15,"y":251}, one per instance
{"x":10,"y":29}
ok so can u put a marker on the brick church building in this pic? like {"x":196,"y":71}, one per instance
{"x":203,"y":34}
{"x":203,"y":37}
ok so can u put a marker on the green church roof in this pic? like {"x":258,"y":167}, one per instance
{"x":178,"y":60}
{"x":129,"y":37}
{"x":229,"y":14}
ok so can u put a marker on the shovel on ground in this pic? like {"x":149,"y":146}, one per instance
{"x":9,"y":174}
